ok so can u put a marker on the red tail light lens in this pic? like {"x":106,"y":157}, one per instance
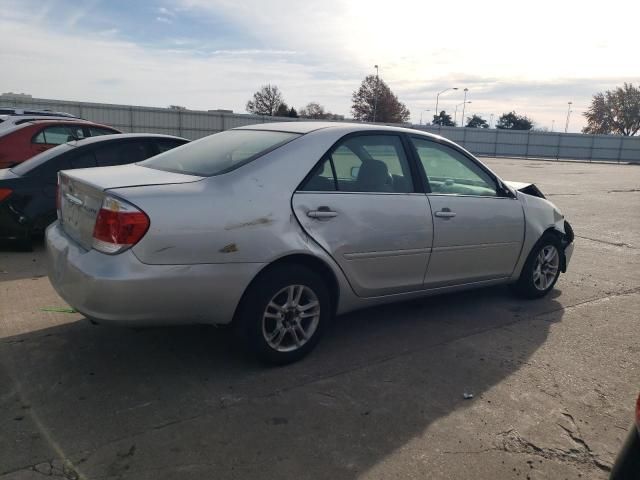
{"x":119,"y":225}
{"x":4,"y":193}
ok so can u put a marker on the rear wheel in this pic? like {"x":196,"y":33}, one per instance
{"x":542,"y":268}
{"x":284,"y":313}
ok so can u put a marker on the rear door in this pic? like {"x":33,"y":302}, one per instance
{"x":478,"y":228}
{"x":362,"y":206}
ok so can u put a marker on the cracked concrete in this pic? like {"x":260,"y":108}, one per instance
{"x":554,"y":380}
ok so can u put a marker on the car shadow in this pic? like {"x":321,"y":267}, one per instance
{"x":185,"y":402}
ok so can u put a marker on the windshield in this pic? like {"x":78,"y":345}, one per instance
{"x":219,"y":153}
{"x":31,"y":164}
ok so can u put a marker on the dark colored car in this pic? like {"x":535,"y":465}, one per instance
{"x":31,"y":137}
{"x":28,"y":190}
{"x":627,"y":466}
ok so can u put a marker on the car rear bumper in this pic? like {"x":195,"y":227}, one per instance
{"x":121,"y":289}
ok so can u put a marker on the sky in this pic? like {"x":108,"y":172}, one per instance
{"x":530,"y":57}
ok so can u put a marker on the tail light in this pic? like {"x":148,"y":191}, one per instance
{"x":4,"y":193}
{"x":119,"y":225}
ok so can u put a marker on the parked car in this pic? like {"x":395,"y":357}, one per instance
{"x":278,"y":227}
{"x":31,"y":137}
{"x":27,"y":191}
{"x":627,"y":466}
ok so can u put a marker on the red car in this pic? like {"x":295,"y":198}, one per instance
{"x":27,"y":139}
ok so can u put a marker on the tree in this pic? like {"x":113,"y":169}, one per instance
{"x":292,"y":113}
{"x":476,"y":121}
{"x":283,"y":110}
{"x":374,"y":100}
{"x":443,"y":119}
{"x":316,"y":111}
{"x":312,"y":110}
{"x":615,"y":111}
{"x":513,"y":121}
{"x":266,"y":101}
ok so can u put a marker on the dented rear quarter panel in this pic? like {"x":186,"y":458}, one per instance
{"x":241,"y":216}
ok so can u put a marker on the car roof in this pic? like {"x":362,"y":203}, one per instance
{"x":121,"y":136}
{"x":347,"y":127}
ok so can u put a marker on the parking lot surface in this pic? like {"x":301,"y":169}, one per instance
{"x":553,"y":381}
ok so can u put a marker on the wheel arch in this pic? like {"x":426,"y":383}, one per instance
{"x":310,"y":261}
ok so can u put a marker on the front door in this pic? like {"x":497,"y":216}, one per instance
{"x":478,"y":230}
{"x":361,"y":206}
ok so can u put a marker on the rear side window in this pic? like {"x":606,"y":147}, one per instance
{"x":365,"y":163}
{"x":56,"y":135}
{"x":220,"y":153}
{"x":120,"y":153}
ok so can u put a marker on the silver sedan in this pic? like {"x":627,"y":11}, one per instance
{"x":277,"y":228}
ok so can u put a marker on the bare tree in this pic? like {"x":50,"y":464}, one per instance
{"x":312,"y":110}
{"x":375,"y":95}
{"x":615,"y":111}
{"x":316,"y":111}
{"x":266,"y":101}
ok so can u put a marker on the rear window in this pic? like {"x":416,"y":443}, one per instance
{"x":32,"y":165}
{"x":219,"y":153}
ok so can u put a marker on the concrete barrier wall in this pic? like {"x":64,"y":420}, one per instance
{"x":195,"y":124}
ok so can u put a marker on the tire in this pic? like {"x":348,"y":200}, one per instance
{"x":542,"y":268}
{"x":281,"y":307}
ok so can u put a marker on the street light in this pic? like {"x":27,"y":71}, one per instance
{"x":566,"y":125}
{"x":375,"y":101}
{"x":455,"y":115}
{"x":438,"y":97}
{"x":421,"y":115}
{"x":464,"y":104}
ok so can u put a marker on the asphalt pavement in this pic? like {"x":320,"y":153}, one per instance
{"x":553,"y":381}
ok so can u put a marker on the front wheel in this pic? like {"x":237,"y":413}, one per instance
{"x":542,"y":268}
{"x":284,"y":313}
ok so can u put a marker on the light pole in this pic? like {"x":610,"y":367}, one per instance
{"x":421,"y":115}
{"x":438,"y":97}
{"x":490,"y":120}
{"x":464,"y":104}
{"x":455,"y":115}
{"x":375,"y":101}
{"x":566,"y":125}
{"x":553,"y":124}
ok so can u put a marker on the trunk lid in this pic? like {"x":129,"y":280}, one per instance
{"x":82,"y":191}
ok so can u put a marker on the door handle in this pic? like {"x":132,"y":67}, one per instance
{"x":445,"y":214}
{"x":322,"y":212}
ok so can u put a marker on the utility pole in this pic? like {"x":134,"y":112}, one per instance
{"x":375,"y":101}
{"x":464,"y":104}
{"x":566,"y":125}
{"x":438,"y":97}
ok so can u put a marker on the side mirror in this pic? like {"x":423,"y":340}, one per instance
{"x":354,"y":172}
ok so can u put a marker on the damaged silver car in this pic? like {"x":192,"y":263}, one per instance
{"x":279,"y":227}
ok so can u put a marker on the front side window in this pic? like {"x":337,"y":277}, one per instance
{"x":364,"y":163}
{"x":97,"y":131}
{"x":219,"y":153}
{"x":450,"y":172}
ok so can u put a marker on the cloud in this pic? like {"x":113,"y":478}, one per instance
{"x":223,"y":50}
